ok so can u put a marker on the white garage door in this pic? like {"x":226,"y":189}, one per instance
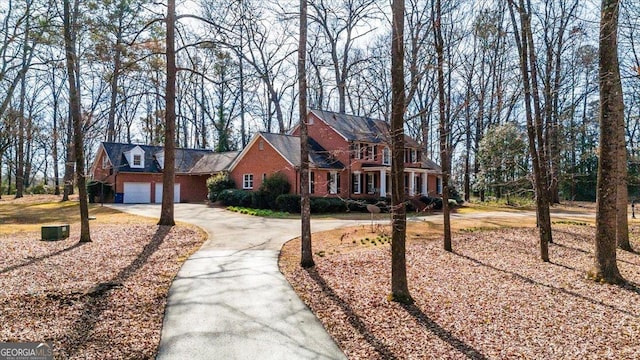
{"x":176,"y":193}
{"x":137,"y":193}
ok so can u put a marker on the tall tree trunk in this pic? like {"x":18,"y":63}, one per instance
{"x":1,"y":155}
{"x":76,"y":114}
{"x":443,"y":126}
{"x":399,"y":286}
{"x":168,"y":178}
{"x":117,"y":60}
{"x":622,"y":198}
{"x":56,"y":168}
{"x":69,"y":167}
{"x":21,"y":116}
{"x":528,"y":65}
{"x":611,"y":112}
{"x":306,"y":260}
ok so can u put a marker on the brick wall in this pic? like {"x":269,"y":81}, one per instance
{"x":258,"y":162}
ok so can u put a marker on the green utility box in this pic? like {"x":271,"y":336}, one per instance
{"x":55,"y":232}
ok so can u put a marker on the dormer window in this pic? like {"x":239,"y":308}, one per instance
{"x":135,"y":157}
{"x":137,"y":160}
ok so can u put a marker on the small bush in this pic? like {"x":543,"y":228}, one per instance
{"x":320,"y":205}
{"x":217,"y":183}
{"x":360,"y":205}
{"x":272,"y":187}
{"x":257,"y":212}
{"x":234,"y":197}
{"x":435,"y":203}
{"x":336,"y":205}
{"x":455,"y":195}
{"x":289,"y":203}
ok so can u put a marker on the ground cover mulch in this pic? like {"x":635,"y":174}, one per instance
{"x":98,"y":300}
{"x":490,"y":299}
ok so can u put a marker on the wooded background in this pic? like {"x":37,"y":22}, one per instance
{"x":237,"y":75}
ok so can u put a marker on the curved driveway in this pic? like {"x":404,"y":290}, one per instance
{"x":229,"y":299}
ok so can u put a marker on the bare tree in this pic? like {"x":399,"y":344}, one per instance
{"x":399,"y":286}
{"x":444,"y":127}
{"x":76,"y":114}
{"x":168,"y":175}
{"x":611,"y":119}
{"x":339,"y":21}
{"x":528,"y":68}
{"x":306,"y":260}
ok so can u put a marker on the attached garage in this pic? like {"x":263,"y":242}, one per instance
{"x":137,"y":193}
{"x":176,"y":193}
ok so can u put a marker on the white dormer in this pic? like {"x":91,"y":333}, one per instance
{"x":160,"y":159}
{"x":135,"y":157}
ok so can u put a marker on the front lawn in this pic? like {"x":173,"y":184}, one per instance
{"x":103,"y":299}
{"x":491,"y":298}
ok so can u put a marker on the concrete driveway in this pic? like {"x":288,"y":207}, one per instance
{"x":229,"y":299}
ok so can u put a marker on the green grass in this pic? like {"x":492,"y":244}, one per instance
{"x":259,"y":212}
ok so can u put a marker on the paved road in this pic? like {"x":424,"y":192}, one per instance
{"x":229,"y":299}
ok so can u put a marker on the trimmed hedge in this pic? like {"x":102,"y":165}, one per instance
{"x":360,"y":205}
{"x":291,"y":204}
{"x":235,"y":197}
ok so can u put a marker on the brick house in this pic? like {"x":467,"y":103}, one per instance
{"x":135,"y":171}
{"x":350,"y":157}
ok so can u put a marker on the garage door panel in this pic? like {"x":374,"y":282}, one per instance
{"x":176,"y":193}
{"x":137,"y":193}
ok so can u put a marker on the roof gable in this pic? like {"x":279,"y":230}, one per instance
{"x":288,"y":147}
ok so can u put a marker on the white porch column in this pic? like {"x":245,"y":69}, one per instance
{"x":383,"y":183}
{"x":425,"y":184}
{"x":412,"y":183}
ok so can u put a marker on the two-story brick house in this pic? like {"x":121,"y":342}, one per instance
{"x":350,"y":157}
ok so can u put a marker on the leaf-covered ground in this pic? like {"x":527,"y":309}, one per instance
{"x":491,"y":298}
{"x":99,"y":300}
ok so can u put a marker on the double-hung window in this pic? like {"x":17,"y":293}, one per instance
{"x":386,"y":156}
{"x":247,"y":181}
{"x":355,"y":183}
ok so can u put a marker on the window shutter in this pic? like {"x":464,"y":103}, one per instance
{"x":338,"y":181}
{"x":328,"y":182}
{"x":352,"y":152}
{"x":353,"y":183}
{"x":375,"y":152}
{"x":312,"y":182}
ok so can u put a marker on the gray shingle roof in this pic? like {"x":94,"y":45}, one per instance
{"x":289,"y":147}
{"x":214,"y":162}
{"x":186,"y":159}
{"x":360,"y":128}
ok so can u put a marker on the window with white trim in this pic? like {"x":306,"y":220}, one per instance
{"x":105,"y":161}
{"x":386,"y":156}
{"x":371,"y":183}
{"x":137,"y":160}
{"x":247,"y":181}
{"x":333,"y":182}
{"x":355,"y":183}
